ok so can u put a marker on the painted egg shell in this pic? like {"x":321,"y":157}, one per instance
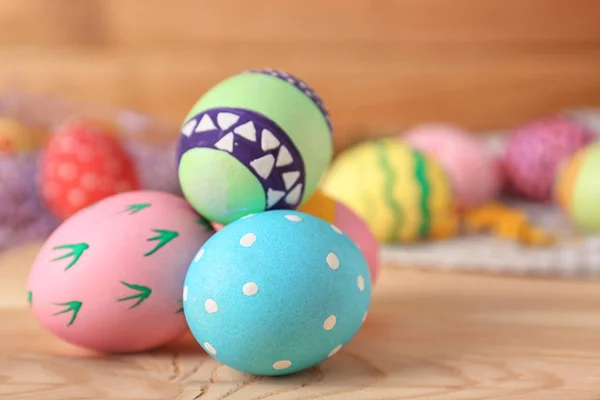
{"x":110,"y":277}
{"x":535,"y":151}
{"x":472,"y":169}
{"x":577,"y":188}
{"x":16,"y":138}
{"x":276,"y":293}
{"x":81,"y":165}
{"x":401,"y":193}
{"x":322,"y":206}
{"x":257,"y":141}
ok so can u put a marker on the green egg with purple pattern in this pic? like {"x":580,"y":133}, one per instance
{"x":257,"y":141}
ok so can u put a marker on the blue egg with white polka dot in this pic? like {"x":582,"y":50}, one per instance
{"x":276,"y":292}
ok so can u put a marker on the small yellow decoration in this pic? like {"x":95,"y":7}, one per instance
{"x":505,"y":222}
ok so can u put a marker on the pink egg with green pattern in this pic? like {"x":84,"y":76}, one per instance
{"x":110,"y":278}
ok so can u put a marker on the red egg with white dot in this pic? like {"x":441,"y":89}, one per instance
{"x":81,"y":164}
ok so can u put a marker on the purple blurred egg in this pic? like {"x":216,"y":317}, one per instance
{"x":23,"y":217}
{"x":535,"y":151}
{"x":156,"y":165}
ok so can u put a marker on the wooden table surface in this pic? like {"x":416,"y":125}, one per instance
{"x":429,"y":335}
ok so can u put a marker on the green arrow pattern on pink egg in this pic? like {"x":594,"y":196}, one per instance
{"x":143,"y":292}
{"x":127,"y":249}
{"x":77,"y":250}
{"x":72,"y":307}
{"x":163,"y":237}
{"x":135,"y":208}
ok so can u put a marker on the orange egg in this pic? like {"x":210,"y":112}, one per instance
{"x":16,"y":138}
{"x":320,"y":205}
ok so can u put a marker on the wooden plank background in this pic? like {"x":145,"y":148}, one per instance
{"x":380,"y":65}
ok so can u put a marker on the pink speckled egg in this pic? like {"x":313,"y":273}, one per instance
{"x":110,"y":278}
{"x":471,"y":167}
{"x":347,"y":221}
{"x":357,"y":229}
{"x":535,"y":151}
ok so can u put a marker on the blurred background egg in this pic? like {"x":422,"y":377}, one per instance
{"x":155,"y":165}
{"x":577,"y":188}
{"x":110,"y":278}
{"x":16,"y":138}
{"x":534,"y":152}
{"x":23,"y":216}
{"x":257,"y":141}
{"x":402,"y":194}
{"x":81,"y":164}
{"x":323,"y":206}
{"x":276,"y":292}
{"x":473,"y":170}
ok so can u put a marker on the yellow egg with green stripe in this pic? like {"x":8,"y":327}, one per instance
{"x":401,"y":193}
{"x":577,"y":188}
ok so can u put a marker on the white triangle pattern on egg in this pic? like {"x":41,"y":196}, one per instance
{"x":226,"y":120}
{"x":284,"y":157}
{"x":188,"y":128}
{"x":263,"y":165}
{"x":225,"y":143}
{"x":273,"y":196}
{"x":293,"y":196}
{"x":268,"y":141}
{"x":289,"y":178}
{"x":247,"y":131}
{"x":206,"y":124}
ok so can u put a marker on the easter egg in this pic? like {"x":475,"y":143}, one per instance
{"x":473,"y":171}
{"x":343,"y":218}
{"x":535,"y":150}
{"x":110,"y":277}
{"x":82,"y":164}
{"x":401,"y":193}
{"x":276,"y":292}
{"x":16,"y":138}
{"x":257,"y":141}
{"x":577,"y":188}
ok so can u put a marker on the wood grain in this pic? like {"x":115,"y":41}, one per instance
{"x":438,"y":336}
{"x":381,"y":66}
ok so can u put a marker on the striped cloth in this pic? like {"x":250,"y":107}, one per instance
{"x":575,"y":257}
